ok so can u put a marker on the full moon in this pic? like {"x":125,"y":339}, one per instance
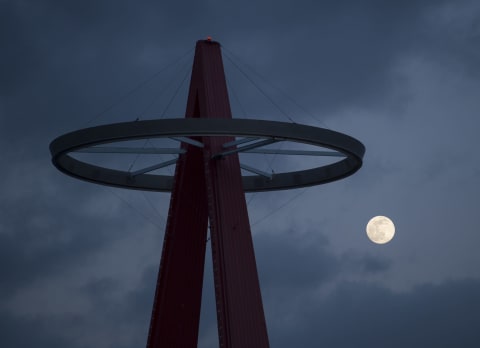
{"x":380,"y":229}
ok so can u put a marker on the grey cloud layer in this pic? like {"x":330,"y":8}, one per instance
{"x":78,"y":265}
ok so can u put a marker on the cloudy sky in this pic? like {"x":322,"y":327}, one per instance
{"x":78,"y":261}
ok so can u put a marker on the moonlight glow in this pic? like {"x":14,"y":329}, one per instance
{"x":380,"y":229}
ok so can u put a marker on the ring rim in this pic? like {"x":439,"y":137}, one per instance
{"x":60,"y":148}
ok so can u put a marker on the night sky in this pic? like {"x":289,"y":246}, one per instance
{"x":78,"y":261}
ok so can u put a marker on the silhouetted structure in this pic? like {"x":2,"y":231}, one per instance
{"x":207,"y":188}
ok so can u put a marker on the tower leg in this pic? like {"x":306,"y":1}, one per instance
{"x":240,"y":316}
{"x":176,"y":309}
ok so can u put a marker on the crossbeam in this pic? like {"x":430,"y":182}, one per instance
{"x":134,"y":150}
{"x":238,"y":142}
{"x":154,"y":167}
{"x":256,"y":171}
{"x":246,"y":147}
{"x":296,"y":152}
{"x":188,"y":141}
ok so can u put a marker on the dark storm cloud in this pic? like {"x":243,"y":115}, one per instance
{"x":36,"y":242}
{"x":306,"y":265}
{"x":38,"y":238}
{"x":358,"y":314}
{"x":345,"y":49}
{"x":120,"y":321}
{"x":40,"y":333}
{"x":290,"y":269}
{"x":126,"y":315}
{"x":63,"y":62}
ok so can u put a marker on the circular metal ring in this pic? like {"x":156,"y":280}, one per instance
{"x":63,"y":145}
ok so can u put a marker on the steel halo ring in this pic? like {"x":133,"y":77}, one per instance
{"x":63,"y":145}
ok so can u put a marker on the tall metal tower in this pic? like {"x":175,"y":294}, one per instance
{"x":207,"y":188}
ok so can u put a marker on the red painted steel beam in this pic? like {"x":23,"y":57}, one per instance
{"x":176,"y":308}
{"x":208,"y":188}
{"x":240,"y":317}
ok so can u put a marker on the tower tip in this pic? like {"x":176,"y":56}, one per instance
{"x":209,"y":40}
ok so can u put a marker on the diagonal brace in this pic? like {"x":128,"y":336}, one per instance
{"x":245,"y":148}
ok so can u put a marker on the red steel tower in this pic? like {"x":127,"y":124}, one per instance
{"x":207,"y":190}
